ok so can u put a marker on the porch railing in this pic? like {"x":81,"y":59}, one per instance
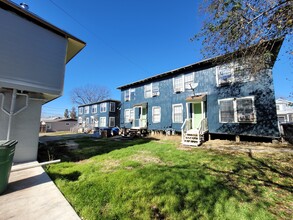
{"x":185,"y":127}
{"x":202,"y":127}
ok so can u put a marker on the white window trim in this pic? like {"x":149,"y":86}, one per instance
{"x":80,"y":120}
{"x":130,"y":113}
{"x":87,"y":120}
{"x":127,"y":93}
{"x":92,"y":121}
{"x":185,"y":80}
{"x":173,"y":115}
{"x":86,"y":110}
{"x":152,"y":92}
{"x":112,"y":104}
{"x":111,"y":119}
{"x":80,"y":110}
{"x":103,"y":107}
{"x":144,"y":90}
{"x":159,"y":107}
{"x":101,"y":120}
{"x":94,"y":109}
{"x":235,"y":110}
{"x":181,"y":89}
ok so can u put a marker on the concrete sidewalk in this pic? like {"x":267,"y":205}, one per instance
{"x":31,"y":195}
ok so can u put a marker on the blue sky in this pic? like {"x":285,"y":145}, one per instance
{"x":130,"y":40}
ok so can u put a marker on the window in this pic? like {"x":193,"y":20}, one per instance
{"x":94,"y":109}
{"x":245,"y":110}
{"x":155,"y":89}
{"x":126,"y":95}
{"x":224,"y":74}
{"x":102,"y":121}
{"x":239,"y":110}
{"x":188,"y":80}
{"x":151,"y":90}
{"x":238,"y":71}
{"x":226,"y":111}
{"x":103,"y":107}
{"x":79,"y":120}
{"x":178,"y":84}
{"x":87,"y":120}
{"x":80,"y":110}
{"x":112,"y":106}
{"x":128,"y":115}
{"x":148,"y":91}
{"x":156,"y":114}
{"x":111,"y":121}
{"x":92,"y":119}
{"x":177,"y":113}
{"x":129,"y":94}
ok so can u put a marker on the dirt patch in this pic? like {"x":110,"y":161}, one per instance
{"x":248,"y":146}
{"x":110,"y":165}
{"x":145,"y":158}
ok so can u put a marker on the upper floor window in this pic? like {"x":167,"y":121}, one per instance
{"x":182,"y":82}
{"x":188,"y":80}
{"x":178,"y":84}
{"x":156,"y":114}
{"x":151,"y":90}
{"x":94,"y":109}
{"x":86,"y":109}
{"x":103,"y":107}
{"x":235,"y":110}
{"x":224,"y":74}
{"x":112,"y":106}
{"x":129,"y":94}
{"x":238,"y":71}
{"x":177,"y":113}
{"x":80,"y":110}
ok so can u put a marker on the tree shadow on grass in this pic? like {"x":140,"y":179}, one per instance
{"x":87,"y":147}
{"x":254,"y":174}
{"x":73,"y":176}
{"x":195,"y":190}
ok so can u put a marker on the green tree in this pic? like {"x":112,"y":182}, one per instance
{"x":235,"y":25}
{"x":73,"y":113}
{"x":66,"y":113}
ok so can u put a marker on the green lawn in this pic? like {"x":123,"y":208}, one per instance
{"x":155,"y":179}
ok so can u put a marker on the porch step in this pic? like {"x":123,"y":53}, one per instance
{"x":192,"y":139}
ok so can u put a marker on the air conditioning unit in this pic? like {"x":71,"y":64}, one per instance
{"x":177,"y":90}
{"x":157,"y":93}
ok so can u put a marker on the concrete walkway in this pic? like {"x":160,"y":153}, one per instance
{"x":32,"y":195}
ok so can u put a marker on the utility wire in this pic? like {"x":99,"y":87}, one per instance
{"x":98,"y":37}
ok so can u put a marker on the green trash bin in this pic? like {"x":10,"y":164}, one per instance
{"x":7,"y":149}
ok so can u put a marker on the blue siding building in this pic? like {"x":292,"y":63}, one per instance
{"x":103,"y":114}
{"x":213,"y":97}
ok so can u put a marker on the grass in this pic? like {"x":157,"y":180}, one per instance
{"x":154,"y":179}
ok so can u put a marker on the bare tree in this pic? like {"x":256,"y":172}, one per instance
{"x":235,"y":25}
{"x":89,"y":94}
